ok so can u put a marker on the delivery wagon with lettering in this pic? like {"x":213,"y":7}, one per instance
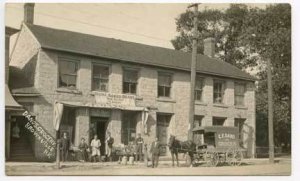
{"x":217,"y":145}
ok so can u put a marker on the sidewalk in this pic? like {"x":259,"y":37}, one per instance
{"x":163,"y":161}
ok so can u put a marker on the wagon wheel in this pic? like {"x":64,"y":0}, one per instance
{"x":234,"y":157}
{"x":211,"y":158}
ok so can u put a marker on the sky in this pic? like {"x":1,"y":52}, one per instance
{"x":152,"y":24}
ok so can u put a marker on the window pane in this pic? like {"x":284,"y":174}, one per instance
{"x":239,"y":89}
{"x":160,"y":91}
{"x":218,"y":98}
{"x":132,"y":88}
{"x":100,"y":71}
{"x":130,"y":76}
{"x":67,"y":81}
{"x":167,"y":91}
{"x":198,"y":95}
{"x":218,"y":121}
{"x":218,"y":91}
{"x":67,"y":67}
{"x":125,"y":87}
{"x":164,"y":80}
{"x":198,"y":121}
{"x":199,"y":83}
{"x":239,"y":100}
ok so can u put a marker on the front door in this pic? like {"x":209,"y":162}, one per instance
{"x":163,"y":122}
{"x":98,"y":127}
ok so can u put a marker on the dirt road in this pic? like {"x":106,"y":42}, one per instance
{"x":163,"y":169}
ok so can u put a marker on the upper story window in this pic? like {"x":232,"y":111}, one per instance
{"x":218,"y":121}
{"x":219,"y":90}
{"x":68,"y":73}
{"x":130,"y":81}
{"x":197,"y":121}
{"x":100,"y":78}
{"x":199,"y":88}
{"x":164,"y":85}
{"x":239,"y":94}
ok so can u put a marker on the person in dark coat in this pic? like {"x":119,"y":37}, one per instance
{"x":109,"y":145}
{"x":83,"y":147}
{"x":139,"y":142}
{"x":155,"y":151}
{"x":65,"y":145}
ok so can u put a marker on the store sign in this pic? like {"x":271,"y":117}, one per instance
{"x":227,"y":139}
{"x":111,"y":100}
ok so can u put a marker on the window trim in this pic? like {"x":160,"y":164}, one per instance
{"x":92,"y":77}
{"x":62,"y":58}
{"x":159,"y":73}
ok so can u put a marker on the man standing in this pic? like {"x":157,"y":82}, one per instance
{"x":109,"y":144}
{"x":139,"y":142}
{"x":155,"y":151}
{"x":65,"y":145}
{"x":95,"y":144}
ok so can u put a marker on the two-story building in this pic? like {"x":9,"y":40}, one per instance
{"x":108,"y":85}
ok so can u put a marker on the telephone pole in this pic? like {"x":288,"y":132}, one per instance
{"x":270,"y":112}
{"x":193,"y":70}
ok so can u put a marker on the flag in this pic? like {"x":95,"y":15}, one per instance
{"x":58,"y":111}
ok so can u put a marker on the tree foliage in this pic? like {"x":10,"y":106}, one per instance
{"x":246,"y":37}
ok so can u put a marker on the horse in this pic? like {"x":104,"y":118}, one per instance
{"x":176,"y":146}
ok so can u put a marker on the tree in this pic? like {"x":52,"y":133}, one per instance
{"x":268,"y":33}
{"x":246,"y":37}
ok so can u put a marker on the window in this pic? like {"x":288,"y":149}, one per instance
{"x":239,"y":94}
{"x":68,"y":73}
{"x":100,"y":78}
{"x":130,"y":78}
{"x":198,"y":88}
{"x":197,"y":121}
{"x":219,"y":89}
{"x":164,"y":85}
{"x":128,"y":127}
{"x":239,"y":123}
{"x":218,"y":121}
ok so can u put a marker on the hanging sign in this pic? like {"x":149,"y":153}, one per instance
{"x":110,"y":100}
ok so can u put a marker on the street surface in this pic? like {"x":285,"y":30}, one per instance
{"x":165,"y":168}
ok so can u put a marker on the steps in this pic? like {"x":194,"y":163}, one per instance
{"x":21,"y":151}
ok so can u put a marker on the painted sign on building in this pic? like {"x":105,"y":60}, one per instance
{"x":119,"y":101}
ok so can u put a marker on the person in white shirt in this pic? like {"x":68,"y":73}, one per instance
{"x":95,"y":144}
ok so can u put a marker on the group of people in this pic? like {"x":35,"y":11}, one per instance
{"x":154,"y":150}
{"x":94,"y":149}
{"x":84,"y":149}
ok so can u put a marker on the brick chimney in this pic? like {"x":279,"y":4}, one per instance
{"x":28,"y":13}
{"x":209,"y":47}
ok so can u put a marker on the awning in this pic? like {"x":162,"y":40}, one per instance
{"x":10,"y":102}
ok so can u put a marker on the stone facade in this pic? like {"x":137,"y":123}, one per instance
{"x":177,"y":105}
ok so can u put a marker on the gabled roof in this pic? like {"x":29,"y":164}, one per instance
{"x":131,"y":52}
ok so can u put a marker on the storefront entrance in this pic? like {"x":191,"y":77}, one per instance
{"x":98,"y":127}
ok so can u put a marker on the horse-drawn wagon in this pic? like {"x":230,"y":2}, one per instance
{"x":221,"y":145}
{"x":213,"y":145}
